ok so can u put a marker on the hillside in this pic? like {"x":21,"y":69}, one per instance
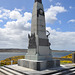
{"x":13,"y":50}
{"x":25,"y":50}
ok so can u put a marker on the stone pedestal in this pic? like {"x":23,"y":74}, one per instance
{"x":44,"y":54}
{"x":39,"y":55}
{"x":73,"y":57}
{"x":38,"y":65}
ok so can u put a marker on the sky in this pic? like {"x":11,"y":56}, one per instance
{"x":15,"y":23}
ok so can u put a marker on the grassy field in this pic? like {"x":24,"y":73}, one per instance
{"x":15,"y":59}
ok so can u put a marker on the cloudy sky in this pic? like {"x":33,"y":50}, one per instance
{"x":15,"y":23}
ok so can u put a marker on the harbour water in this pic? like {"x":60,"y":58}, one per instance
{"x":4,"y":55}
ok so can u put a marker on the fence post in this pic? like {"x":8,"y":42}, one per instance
{"x":73,"y":57}
{"x":0,"y":63}
{"x":11,"y":62}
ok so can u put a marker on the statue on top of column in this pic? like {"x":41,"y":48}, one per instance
{"x":40,"y":1}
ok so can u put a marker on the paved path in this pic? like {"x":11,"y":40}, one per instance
{"x":68,"y":69}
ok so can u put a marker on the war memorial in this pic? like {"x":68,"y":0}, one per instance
{"x":39,"y":56}
{"x":38,"y":59}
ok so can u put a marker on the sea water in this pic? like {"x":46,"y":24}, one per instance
{"x":4,"y":55}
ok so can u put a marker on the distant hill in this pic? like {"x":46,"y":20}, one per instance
{"x":13,"y":50}
{"x":25,"y":50}
{"x":61,"y":51}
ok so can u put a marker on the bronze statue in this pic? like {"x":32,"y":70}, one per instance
{"x":32,"y":42}
{"x":48,"y":33}
{"x":40,"y":1}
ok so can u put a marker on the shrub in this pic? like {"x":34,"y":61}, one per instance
{"x":8,"y":60}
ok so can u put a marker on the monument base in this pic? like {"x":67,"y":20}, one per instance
{"x":38,"y":65}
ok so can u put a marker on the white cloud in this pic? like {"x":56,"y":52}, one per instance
{"x":70,"y":7}
{"x":58,"y":29}
{"x":62,"y":40}
{"x":58,"y":3}
{"x":0,"y":11}
{"x":72,"y":20}
{"x":15,"y":33}
{"x":21,"y":21}
{"x":51,"y":13}
{"x":50,"y":0}
{"x":1,"y":20}
{"x":59,"y":21}
{"x":15,"y":15}
{"x":13,"y":38}
{"x":17,"y":9}
{"x":4,"y":13}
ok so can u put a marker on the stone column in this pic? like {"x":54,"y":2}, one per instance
{"x":73,"y":57}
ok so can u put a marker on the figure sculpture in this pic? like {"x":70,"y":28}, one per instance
{"x":32,"y":42}
{"x":48,"y":33}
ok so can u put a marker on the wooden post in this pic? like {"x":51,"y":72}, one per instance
{"x":73,"y":57}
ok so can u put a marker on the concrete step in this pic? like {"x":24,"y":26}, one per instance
{"x":67,"y":72}
{"x":64,"y":71}
{"x":17,"y":70}
{"x":1,"y":73}
{"x":11,"y":71}
{"x":5,"y":72}
{"x":72,"y":71}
